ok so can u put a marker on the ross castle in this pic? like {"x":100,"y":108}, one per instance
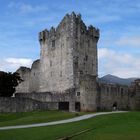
{"x":66,"y":75}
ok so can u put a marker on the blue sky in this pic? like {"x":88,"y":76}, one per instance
{"x":118,"y":21}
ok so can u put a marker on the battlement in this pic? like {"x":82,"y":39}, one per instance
{"x":70,"y":24}
{"x":23,"y":70}
{"x":35,"y":64}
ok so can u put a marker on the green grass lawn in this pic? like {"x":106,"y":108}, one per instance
{"x":34,"y":117}
{"x":122,"y":126}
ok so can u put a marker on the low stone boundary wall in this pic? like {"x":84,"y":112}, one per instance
{"x":49,"y":96}
{"x":17,"y":104}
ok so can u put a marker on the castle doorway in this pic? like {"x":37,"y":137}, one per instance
{"x":64,"y":106}
{"x":115,"y":106}
{"x":77,"y":106}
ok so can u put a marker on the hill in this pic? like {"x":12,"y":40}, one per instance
{"x":116,"y":80}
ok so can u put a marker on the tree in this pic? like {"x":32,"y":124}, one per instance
{"x":8,"y":83}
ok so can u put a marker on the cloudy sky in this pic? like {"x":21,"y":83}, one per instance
{"x":118,"y":21}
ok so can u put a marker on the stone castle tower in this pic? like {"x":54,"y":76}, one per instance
{"x":68,"y":60}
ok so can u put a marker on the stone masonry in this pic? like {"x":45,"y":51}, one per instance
{"x":68,"y":68}
{"x":68,"y":60}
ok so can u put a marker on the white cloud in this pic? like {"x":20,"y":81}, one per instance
{"x":129,"y":41}
{"x":12,"y":64}
{"x":119,"y":64}
{"x":24,"y":8}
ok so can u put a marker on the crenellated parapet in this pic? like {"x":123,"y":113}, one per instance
{"x":43,"y":35}
{"x":93,"y":32}
{"x":54,"y":33}
{"x":135,"y":95}
{"x":69,"y":24}
{"x":135,"y":88}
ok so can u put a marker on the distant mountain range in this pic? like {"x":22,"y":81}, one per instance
{"x":116,"y":80}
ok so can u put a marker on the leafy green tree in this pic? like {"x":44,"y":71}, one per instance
{"x":8,"y":83}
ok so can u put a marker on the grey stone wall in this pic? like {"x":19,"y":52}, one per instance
{"x":56,"y":57}
{"x":85,"y":62}
{"x":68,"y":59}
{"x":134,"y":95}
{"x":52,"y":97}
{"x":46,"y":96}
{"x":25,"y":76}
{"x":108,"y":94}
{"x":34,"y":80}
{"x":66,"y":51}
{"x":88,"y":93}
{"x":13,"y":104}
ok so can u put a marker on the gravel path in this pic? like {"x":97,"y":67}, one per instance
{"x":84,"y":117}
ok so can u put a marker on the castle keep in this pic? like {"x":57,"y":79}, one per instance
{"x":66,"y":74}
{"x":67,"y":65}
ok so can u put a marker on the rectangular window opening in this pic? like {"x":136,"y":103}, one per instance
{"x":53,"y":43}
{"x":60,"y":73}
{"x":78,"y":93}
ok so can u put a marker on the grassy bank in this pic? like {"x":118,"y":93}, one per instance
{"x":34,"y":117}
{"x":125,"y":126}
